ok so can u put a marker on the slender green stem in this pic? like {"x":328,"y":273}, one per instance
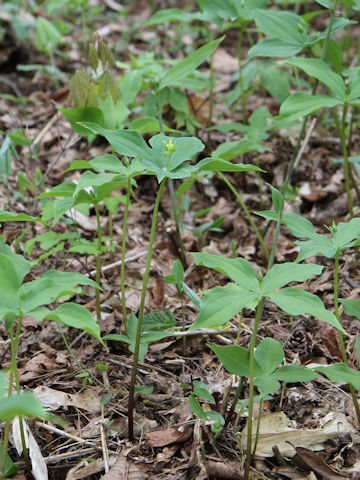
{"x":298,"y":143}
{"x":15,"y":343}
{"x":83,"y":26}
{"x":98,"y":262}
{"x":180,"y":244}
{"x":340,"y":335}
{"x":141,"y":313}
{"x":259,"y":310}
{"x":342,"y":133}
{"x":183,"y":322}
{"x":111,"y":234}
{"x":69,"y":349}
{"x":211,"y":91}
{"x":123,"y":252}
{"x":258,"y":427}
{"x":241,"y":75}
{"x":233,"y":404}
{"x":247,"y":213}
{"x":271,"y":262}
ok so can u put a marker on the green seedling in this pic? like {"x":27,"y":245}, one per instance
{"x":22,"y":405}
{"x":155,"y":327}
{"x":8,"y":153}
{"x":287,"y":33}
{"x":211,"y":226}
{"x":177,"y":279}
{"x":220,"y":304}
{"x":100,"y":185}
{"x":267,"y":370}
{"x":48,"y":37}
{"x":200,"y":391}
{"x":343,"y":236}
{"x":165,"y":158}
{"x":86,"y":378}
{"x":20,"y":299}
{"x":340,"y":94}
{"x":53,"y":6}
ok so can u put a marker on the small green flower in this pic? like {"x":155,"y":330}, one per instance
{"x":170,"y":146}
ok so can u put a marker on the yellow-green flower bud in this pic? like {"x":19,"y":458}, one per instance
{"x":170,"y":146}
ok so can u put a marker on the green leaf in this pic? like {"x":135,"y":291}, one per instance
{"x":275,"y":82}
{"x":65,"y":189}
{"x":131,"y":86}
{"x":274,"y":47}
{"x":115,"y":113}
{"x":282,"y":274}
{"x":158,"y":321}
{"x":189,"y":64}
{"x":340,"y":373}
{"x":200,"y":390}
{"x":25,"y":404}
{"x":21,"y":265}
{"x":192,"y":295}
{"x":351,"y":306}
{"x":82,"y":114}
{"x":10,"y":466}
{"x":280,"y":24}
{"x":230,"y":150}
{"x":226,"y":9}
{"x":344,"y":233}
{"x":296,"y":302}
{"x":91,"y":179}
{"x":124,"y":142}
{"x":112,"y":163}
{"x":10,"y":284}
{"x":171,"y":15}
{"x":267,"y":385}
{"x":76,"y":316}
{"x":196,"y":407}
{"x":147,"y":125}
{"x":320,"y":70}
{"x":220,"y":165}
{"x":18,"y":217}
{"x":42,"y":292}
{"x":277,"y":199}
{"x":69,"y":279}
{"x":236,"y":360}
{"x":220,"y":304}
{"x":299,"y":226}
{"x":301,"y":104}
{"x":48,"y":36}
{"x":321,"y":245}
{"x":185,"y":149}
{"x":294,"y":374}
{"x":269,"y":354}
{"x":238,"y":269}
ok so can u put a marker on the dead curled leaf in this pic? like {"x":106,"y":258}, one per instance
{"x":309,"y":461}
{"x":226,"y":470}
{"x":122,"y":469}
{"x":37,"y":366}
{"x":162,"y":438}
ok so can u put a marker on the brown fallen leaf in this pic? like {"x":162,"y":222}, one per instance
{"x":226,"y":470}
{"x":309,"y":461}
{"x":162,"y":438}
{"x":124,"y":469}
{"x":37,"y":366}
